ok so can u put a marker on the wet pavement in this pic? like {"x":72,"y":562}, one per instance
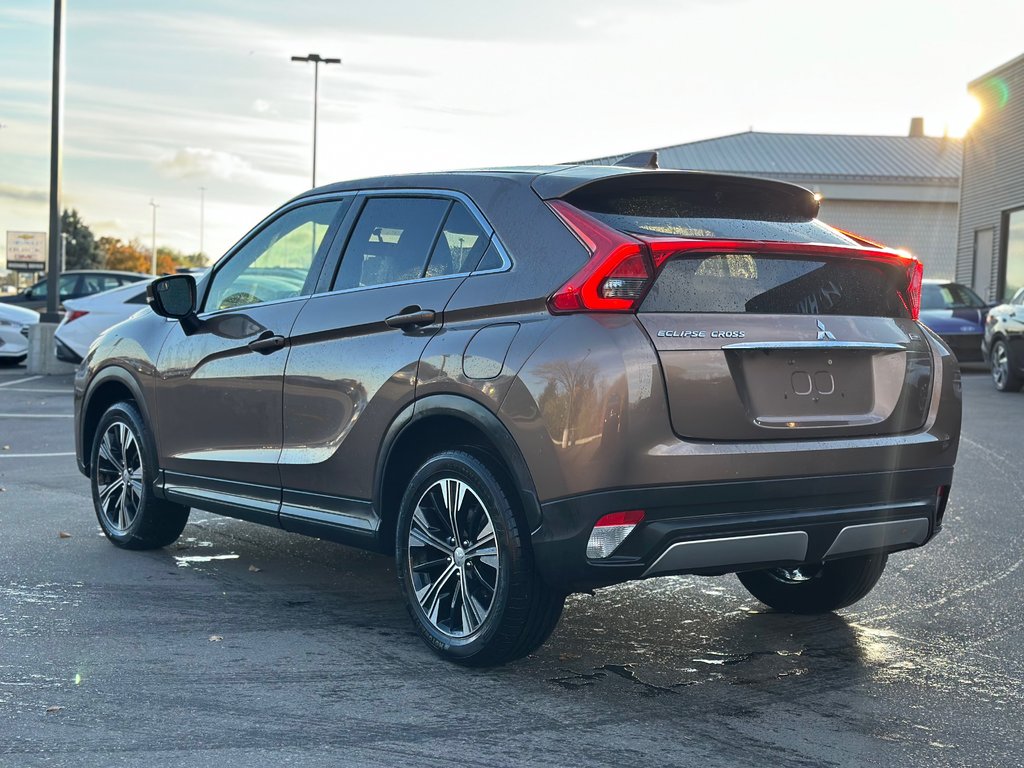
{"x":241,"y":645}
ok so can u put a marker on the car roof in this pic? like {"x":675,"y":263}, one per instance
{"x":548,"y":181}
{"x":116,"y":272}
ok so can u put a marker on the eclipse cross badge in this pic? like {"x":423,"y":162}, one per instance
{"x":824,"y":335}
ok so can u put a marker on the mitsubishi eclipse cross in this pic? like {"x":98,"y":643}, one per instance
{"x":523,"y":383}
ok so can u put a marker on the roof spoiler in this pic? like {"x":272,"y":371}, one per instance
{"x":640,"y":160}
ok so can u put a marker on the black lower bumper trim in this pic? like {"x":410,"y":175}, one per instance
{"x":819,"y":507}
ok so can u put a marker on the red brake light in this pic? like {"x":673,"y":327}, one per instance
{"x":915,"y":273}
{"x":74,"y":314}
{"x":632,"y":517}
{"x":616,"y":276}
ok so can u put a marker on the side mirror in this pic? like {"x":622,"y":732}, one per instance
{"x":174,"y":296}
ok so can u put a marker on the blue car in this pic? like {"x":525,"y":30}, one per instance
{"x":957,"y":314}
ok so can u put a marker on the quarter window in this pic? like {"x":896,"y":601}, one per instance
{"x":392,"y":241}
{"x":277,"y":263}
{"x":460,"y":246}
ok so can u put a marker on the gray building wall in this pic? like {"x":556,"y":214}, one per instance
{"x":992,"y":180}
{"x":927,"y":230}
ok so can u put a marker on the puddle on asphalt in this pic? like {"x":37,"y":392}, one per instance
{"x":184,"y":561}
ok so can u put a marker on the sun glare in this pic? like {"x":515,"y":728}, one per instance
{"x":960,"y":116}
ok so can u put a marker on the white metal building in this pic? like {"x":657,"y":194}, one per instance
{"x":898,"y":190}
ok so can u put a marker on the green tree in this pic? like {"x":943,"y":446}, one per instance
{"x":167,"y":255}
{"x":81,"y":249}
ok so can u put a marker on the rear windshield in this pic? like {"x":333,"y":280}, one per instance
{"x":770,"y":284}
{"x":693,"y":213}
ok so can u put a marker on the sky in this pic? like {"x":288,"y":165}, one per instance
{"x":165,"y":98}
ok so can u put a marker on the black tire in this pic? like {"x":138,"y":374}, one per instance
{"x":122,"y":471}
{"x":1002,"y":368}
{"x":12,"y":361}
{"x":510,"y":611}
{"x":816,"y":588}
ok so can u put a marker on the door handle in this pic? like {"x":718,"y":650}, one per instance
{"x":411,"y":317}
{"x":267,"y":343}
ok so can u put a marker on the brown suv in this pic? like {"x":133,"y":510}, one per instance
{"x":528,"y":382}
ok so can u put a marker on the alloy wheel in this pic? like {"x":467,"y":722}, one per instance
{"x":119,"y":477}
{"x":453,"y":557}
{"x":1000,"y":365}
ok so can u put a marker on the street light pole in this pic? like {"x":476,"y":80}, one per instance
{"x":152,"y":268}
{"x":317,"y":60}
{"x":56,"y":164}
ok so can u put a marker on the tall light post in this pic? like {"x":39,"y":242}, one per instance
{"x":317,"y":60}
{"x":152,"y":267}
{"x":202,"y":217}
{"x":56,"y":164}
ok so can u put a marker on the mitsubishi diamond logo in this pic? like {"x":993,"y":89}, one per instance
{"x":824,"y":335}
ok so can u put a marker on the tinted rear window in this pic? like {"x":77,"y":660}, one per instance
{"x":695,"y":214}
{"x":785,"y":285}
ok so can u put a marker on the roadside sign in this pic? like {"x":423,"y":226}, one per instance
{"x":26,"y":251}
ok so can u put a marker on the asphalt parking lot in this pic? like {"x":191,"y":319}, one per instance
{"x":242,"y":645}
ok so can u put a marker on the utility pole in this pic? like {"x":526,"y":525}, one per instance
{"x":202,"y":217}
{"x":56,"y":163}
{"x":317,"y":61}
{"x":152,"y":268}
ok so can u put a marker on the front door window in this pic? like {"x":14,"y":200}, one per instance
{"x":278,"y":262}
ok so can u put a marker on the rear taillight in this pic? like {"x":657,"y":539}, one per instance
{"x":74,"y":314}
{"x":622,"y":268}
{"x":915,"y":273}
{"x":610,"y":531}
{"x":615,"y":277}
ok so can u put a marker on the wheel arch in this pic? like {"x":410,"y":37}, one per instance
{"x":436,"y":423}
{"x":110,"y":385}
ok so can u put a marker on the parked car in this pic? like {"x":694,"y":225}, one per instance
{"x":525,"y":383}
{"x":73,"y":284}
{"x":1003,"y":345}
{"x":957,"y":314}
{"x":14,"y":325}
{"x":86,"y":318}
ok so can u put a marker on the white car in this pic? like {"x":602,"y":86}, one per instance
{"x":14,"y":324}
{"x":86,"y":318}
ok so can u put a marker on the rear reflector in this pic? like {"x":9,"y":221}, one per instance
{"x":610,"y":531}
{"x":622,"y":268}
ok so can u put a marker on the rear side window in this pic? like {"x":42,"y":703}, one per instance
{"x":949,"y":296}
{"x":99,"y":283}
{"x":786,"y":285}
{"x":392,"y":241}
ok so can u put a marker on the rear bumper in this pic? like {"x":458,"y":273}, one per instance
{"x":736,"y":526}
{"x":66,"y":353}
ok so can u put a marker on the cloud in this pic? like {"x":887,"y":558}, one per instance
{"x":23,"y":194}
{"x":201,"y":163}
{"x":263,"y":107}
